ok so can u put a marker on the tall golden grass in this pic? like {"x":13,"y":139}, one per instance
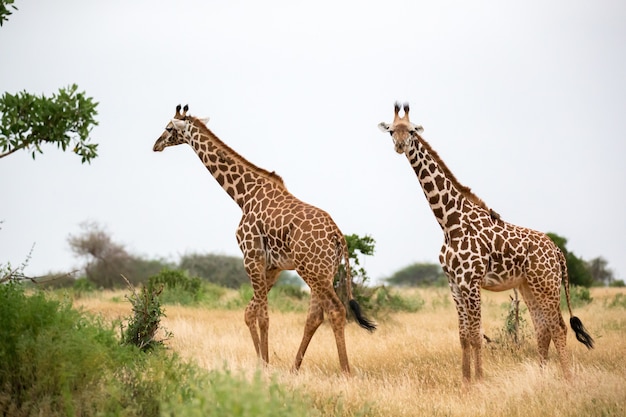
{"x":411,"y":365}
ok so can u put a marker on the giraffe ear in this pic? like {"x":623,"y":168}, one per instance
{"x":178,"y":124}
{"x":418,"y":128}
{"x":204,"y":120}
{"x":385,"y":127}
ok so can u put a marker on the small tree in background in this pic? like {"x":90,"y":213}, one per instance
{"x":107,"y":260}
{"x":600,"y":272}
{"x":419,"y":274}
{"x":577,"y":269}
{"x":226,"y":271}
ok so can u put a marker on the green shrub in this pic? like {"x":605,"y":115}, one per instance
{"x":51,"y":356}
{"x":619,"y":300}
{"x":83,"y":286}
{"x":579,"y":296}
{"x":226,"y":395}
{"x":143,"y":326}
{"x":178,"y":288}
{"x":57,"y":361}
{"x":389,"y":300}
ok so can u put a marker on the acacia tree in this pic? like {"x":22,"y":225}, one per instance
{"x":65,"y":120}
{"x":29,"y":121}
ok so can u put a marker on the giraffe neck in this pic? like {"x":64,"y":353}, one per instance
{"x":445,"y":195}
{"x":237,"y":176}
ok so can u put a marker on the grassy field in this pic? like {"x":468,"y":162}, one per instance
{"x":411,"y":365}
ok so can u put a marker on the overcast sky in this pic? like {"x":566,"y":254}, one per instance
{"x":525,"y":102}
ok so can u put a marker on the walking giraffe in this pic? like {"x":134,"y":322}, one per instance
{"x":482,"y":251}
{"x":277,"y":232}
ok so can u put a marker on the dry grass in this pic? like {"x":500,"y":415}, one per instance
{"x":411,"y":365}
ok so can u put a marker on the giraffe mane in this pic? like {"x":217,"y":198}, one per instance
{"x":272,"y":176}
{"x":466,"y":191}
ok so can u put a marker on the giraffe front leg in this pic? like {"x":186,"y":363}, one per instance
{"x":467,"y":301}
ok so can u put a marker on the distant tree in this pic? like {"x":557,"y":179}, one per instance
{"x":290,"y":279}
{"x":577,"y":269}
{"x":107,"y":261}
{"x":419,"y":274}
{"x":227,"y":271}
{"x":602,"y":275}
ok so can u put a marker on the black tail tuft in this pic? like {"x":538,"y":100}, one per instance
{"x":581,"y":333}
{"x":363,"y":322}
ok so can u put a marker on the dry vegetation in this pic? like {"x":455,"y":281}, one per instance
{"x":411,"y":365}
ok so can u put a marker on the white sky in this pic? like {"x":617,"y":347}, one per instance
{"x":525,"y":102}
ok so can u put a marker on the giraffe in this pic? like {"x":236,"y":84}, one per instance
{"x":277,"y":232}
{"x":480,"y":250}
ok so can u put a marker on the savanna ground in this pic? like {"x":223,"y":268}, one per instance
{"x":411,"y":365}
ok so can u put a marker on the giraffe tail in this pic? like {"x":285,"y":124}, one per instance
{"x":577,"y":326}
{"x":363,"y":321}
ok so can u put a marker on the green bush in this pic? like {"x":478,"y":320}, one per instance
{"x":619,"y":300}
{"x":143,"y":326}
{"x":281,"y":298}
{"x":51,"y":356}
{"x":178,"y":288}
{"x":57,"y":361}
{"x":579,"y":296}
{"x":389,"y":300}
{"x":223,"y":394}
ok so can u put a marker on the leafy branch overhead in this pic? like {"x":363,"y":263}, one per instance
{"x":65,"y":119}
{"x":5,"y":10}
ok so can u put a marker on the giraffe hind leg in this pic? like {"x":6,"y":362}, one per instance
{"x":315,"y":317}
{"x":250,"y":317}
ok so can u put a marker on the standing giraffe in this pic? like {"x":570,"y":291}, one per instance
{"x":482,"y":251}
{"x":277,"y":232}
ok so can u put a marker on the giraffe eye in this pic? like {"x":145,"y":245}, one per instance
{"x":169,"y":129}
{"x":391,"y":133}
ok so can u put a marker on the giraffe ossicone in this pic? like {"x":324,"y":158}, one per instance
{"x":480,"y":250}
{"x":277,"y":232}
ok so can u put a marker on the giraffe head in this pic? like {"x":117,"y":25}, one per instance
{"x":177,"y":131}
{"x":402,"y":131}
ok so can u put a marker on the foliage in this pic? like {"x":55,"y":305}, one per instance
{"x":577,"y":269}
{"x":282,"y":298}
{"x":65,"y":120}
{"x":57,"y":361}
{"x":225,"y":395}
{"x":619,"y":300}
{"x":5,"y":12}
{"x":419,"y":275}
{"x":579,"y":296}
{"x":142,"y":328}
{"x":108,"y":260}
{"x":227,"y":271}
{"x":390,"y":300}
{"x":291,"y":279}
{"x":365,"y":246}
{"x":177,"y":287}
{"x":48,"y":353}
